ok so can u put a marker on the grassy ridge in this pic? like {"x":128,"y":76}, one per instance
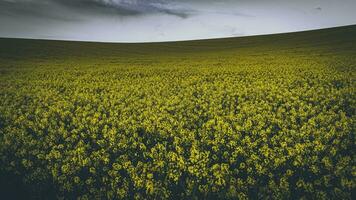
{"x":328,"y":40}
{"x":254,"y":117}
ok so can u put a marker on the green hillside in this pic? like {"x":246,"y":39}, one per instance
{"x":269,"y":117}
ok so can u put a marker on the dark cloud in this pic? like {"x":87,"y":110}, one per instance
{"x":33,"y":9}
{"x":106,"y":7}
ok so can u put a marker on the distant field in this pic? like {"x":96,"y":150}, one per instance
{"x":270,"y":117}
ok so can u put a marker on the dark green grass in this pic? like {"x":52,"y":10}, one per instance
{"x":335,"y":42}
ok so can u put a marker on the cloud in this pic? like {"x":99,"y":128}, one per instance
{"x":32,"y":9}
{"x":128,"y":7}
{"x":122,"y":8}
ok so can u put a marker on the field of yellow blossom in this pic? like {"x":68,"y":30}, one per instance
{"x":263,"y":117}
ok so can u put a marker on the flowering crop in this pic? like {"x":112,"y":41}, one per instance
{"x":253,"y":119}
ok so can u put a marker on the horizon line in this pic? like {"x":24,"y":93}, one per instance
{"x":174,"y":41}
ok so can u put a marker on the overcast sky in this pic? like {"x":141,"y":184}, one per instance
{"x":167,"y":20}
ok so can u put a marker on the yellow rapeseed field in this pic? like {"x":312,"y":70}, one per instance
{"x":267,"y":117}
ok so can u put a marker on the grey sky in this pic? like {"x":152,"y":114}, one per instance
{"x":167,"y":20}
